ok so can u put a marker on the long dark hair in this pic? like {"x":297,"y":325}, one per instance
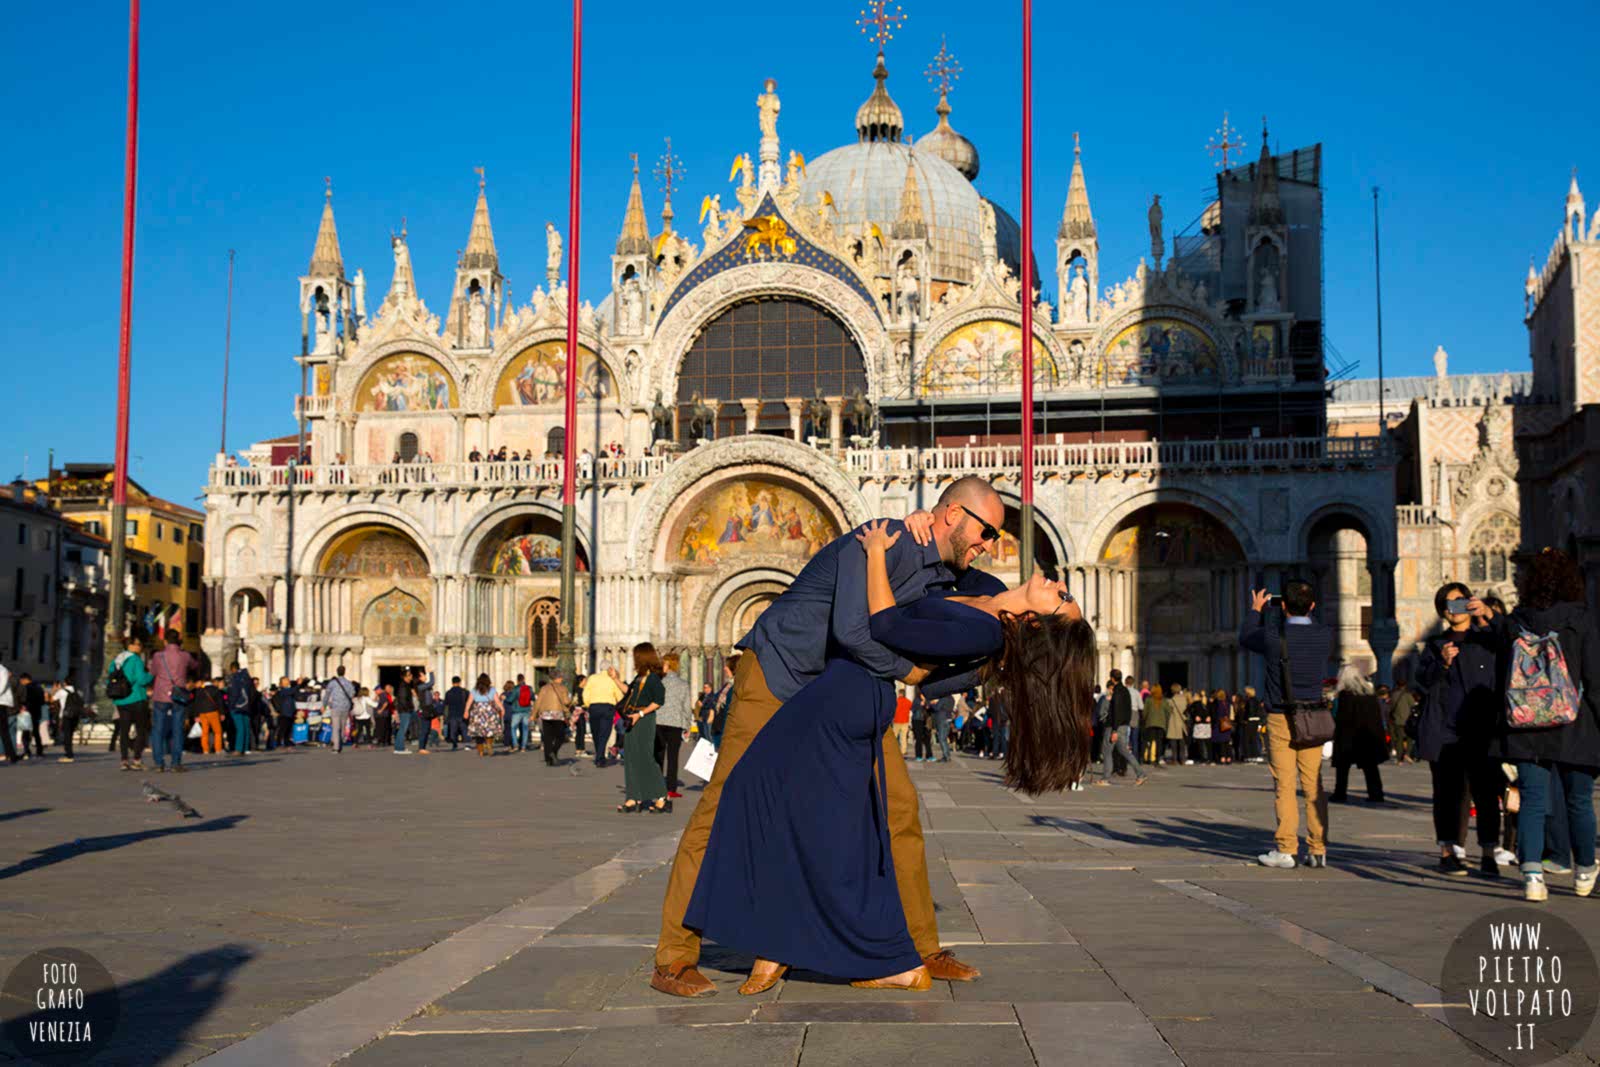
{"x":1046,"y":666}
{"x":1549,"y":578}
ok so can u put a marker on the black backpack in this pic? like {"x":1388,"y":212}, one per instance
{"x":117,"y":685}
{"x":74,"y":704}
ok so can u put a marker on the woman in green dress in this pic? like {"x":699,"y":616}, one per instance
{"x":644,"y":788}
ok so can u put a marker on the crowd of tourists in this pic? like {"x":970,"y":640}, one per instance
{"x":1522,"y":789}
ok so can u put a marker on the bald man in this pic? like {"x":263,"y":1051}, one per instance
{"x":825,"y":611}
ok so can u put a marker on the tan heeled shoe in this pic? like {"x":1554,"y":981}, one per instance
{"x":919,"y":981}
{"x":760,"y":983}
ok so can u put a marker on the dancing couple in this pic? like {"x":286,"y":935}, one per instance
{"x":805,"y":849}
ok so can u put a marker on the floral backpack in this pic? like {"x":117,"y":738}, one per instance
{"x":1540,"y":691}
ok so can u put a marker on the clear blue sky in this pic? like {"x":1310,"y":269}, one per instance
{"x":1470,"y":123}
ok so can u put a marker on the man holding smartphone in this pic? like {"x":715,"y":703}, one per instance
{"x":1307,"y":644}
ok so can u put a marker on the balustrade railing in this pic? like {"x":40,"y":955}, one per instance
{"x":610,"y":469}
{"x":1415,"y":515}
{"x":1254,"y":453}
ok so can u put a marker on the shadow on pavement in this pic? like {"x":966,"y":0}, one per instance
{"x":21,"y":813}
{"x":156,"y":1015}
{"x":60,"y":853}
{"x":1244,"y":843}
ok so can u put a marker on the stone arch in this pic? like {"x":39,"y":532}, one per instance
{"x":1492,"y":543}
{"x":1221,"y":510}
{"x":771,"y":456}
{"x":350,"y":519}
{"x":246,"y":604}
{"x":1338,"y":544}
{"x":395,"y":617}
{"x":1050,"y":535}
{"x":715,"y":295}
{"x":1380,"y":537}
{"x":543,"y":627}
{"x":481,"y":395}
{"x":945,"y":326}
{"x":476,"y":531}
{"x":732,"y":589}
{"x":349,"y":387}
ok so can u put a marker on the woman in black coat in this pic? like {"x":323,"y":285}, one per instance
{"x":1564,"y":756}
{"x":1359,"y":736}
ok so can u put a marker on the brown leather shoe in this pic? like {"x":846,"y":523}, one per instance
{"x":919,"y":982}
{"x":760,"y":983}
{"x":682,"y":980}
{"x":944,"y":967}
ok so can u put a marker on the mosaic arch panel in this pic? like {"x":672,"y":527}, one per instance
{"x":373,"y":552}
{"x":1171,"y":535}
{"x":396,"y":615}
{"x":537,"y":376}
{"x":750,"y":517}
{"x":984,"y":357}
{"x":406,"y":382}
{"x":1157,"y":348}
{"x":525,"y":546}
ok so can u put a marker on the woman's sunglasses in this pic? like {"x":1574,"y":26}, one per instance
{"x":1066,"y":598}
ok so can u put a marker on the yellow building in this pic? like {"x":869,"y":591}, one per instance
{"x":169,"y":539}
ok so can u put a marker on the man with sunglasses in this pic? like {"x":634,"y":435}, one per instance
{"x":823,"y":612}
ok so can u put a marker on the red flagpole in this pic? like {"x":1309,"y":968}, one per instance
{"x":566,"y":649}
{"x":119,"y":478}
{"x":1027,"y":289}
{"x":570,"y":428}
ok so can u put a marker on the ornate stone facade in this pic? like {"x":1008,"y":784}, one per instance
{"x":1180,"y":453}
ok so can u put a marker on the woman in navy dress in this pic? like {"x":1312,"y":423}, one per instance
{"x":798,"y":871}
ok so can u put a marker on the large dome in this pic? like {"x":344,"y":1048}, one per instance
{"x":867,"y":179}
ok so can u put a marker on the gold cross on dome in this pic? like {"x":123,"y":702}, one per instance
{"x":1222,"y":142}
{"x":668,"y":169}
{"x":944,"y":71}
{"x":879,"y":23}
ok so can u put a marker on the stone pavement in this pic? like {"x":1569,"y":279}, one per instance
{"x":403,"y":911}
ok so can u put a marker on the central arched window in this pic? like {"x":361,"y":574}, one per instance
{"x":408,"y":447}
{"x":544,"y":628}
{"x":771,"y":351}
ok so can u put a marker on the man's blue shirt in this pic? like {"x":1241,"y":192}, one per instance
{"x":824,"y":612}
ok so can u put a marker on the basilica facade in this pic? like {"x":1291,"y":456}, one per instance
{"x":833,"y":340}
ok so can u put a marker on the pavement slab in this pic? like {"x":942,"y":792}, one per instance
{"x":1112,"y":926}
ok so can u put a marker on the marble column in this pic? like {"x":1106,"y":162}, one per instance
{"x":752,"y":413}
{"x":1384,"y":635}
{"x":796,"y":415}
{"x":836,"y":420}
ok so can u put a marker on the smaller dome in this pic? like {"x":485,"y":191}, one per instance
{"x":879,"y":118}
{"x":950,"y":146}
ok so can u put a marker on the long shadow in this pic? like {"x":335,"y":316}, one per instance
{"x":157,"y":1014}
{"x":217,"y":765}
{"x":49,"y":857}
{"x":1243,"y":843}
{"x":21,"y":813}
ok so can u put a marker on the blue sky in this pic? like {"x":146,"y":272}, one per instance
{"x":1470,"y":124}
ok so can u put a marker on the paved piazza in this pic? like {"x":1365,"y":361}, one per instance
{"x":452,"y":910}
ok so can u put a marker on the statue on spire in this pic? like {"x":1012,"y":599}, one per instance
{"x":768,"y":105}
{"x":1158,"y":245}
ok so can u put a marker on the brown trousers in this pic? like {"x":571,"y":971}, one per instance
{"x":752,"y":706}
{"x":1293,"y":767}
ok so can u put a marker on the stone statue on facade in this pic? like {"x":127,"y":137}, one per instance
{"x":632,"y":298}
{"x":552,"y":255}
{"x":361,"y":295}
{"x":1158,"y":245}
{"x":768,"y":105}
{"x":660,"y":420}
{"x":1441,"y":363}
{"x":987,"y":243}
{"x":902,"y":359}
{"x":1267,"y":289}
{"x":906,"y":286}
{"x":1077,"y":302}
{"x":477,"y":322}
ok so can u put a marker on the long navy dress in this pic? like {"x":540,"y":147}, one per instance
{"x":798,"y":868}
